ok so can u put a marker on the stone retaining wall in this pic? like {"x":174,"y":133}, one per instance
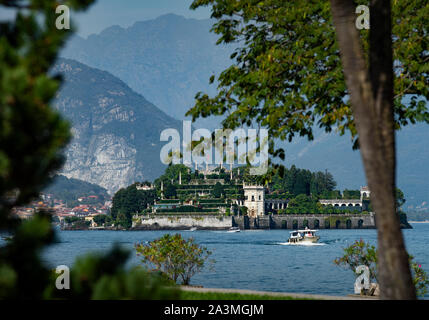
{"x":334,"y":221}
{"x":182,"y":222}
{"x":219,"y":222}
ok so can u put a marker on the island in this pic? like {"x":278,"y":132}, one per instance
{"x":218,"y":198}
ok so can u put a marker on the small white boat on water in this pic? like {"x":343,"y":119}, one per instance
{"x":234,"y":229}
{"x":303,"y":236}
{"x":193,"y":229}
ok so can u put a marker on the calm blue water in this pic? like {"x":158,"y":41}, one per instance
{"x":252,"y":259}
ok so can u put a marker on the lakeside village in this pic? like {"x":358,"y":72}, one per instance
{"x":86,"y":207}
{"x":218,"y":199}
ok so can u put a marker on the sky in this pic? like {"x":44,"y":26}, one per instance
{"x":105,"y":13}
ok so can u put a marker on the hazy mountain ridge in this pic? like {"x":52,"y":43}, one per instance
{"x":115,"y":130}
{"x":168,"y":59}
{"x":69,"y":190}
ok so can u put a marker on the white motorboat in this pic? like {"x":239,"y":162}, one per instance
{"x":193,"y":229}
{"x":303,"y":236}
{"x":234,"y":229}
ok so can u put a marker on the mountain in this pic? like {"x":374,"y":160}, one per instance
{"x":115,"y":130}
{"x":70,"y":190}
{"x":168,"y":59}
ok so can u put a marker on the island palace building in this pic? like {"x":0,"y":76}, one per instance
{"x":257,"y":204}
{"x":255,"y":196}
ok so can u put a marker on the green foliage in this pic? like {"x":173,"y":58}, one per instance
{"x":32,"y":139}
{"x":76,"y":223}
{"x":174,"y":256}
{"x":243,"y":211}
{"x":103,"y":276}
{"x":400,"y":198}
{"x":287,"y":74}
{"x":71,"y":219}
{"x":69,"y":190}
{"x":293,"y":181}
{"x":303,"y":204}
{"x":420,"y":277}
{"x":123,"y":220}
{"x":227,"y":212}
{"x":334,"y":194}
{"x":100,"y":219}
{"x":302,"y":200}
{"x":351,"y":194}
{"x":172,"y":173}
{"x":297,"y":181}
{"x":191,"y":295}
{"x":403,"y":219}
{"x":32,"y":134}
{"x":187,"y":209}
{"x":362,"y":253}
{"x":170,"y":191}
{"x":129,"y":201}
{"x":211,"y":201}
{"x":19,"y":259}
{"x":217,"y":191}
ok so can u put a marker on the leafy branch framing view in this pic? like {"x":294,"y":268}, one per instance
{"x":299,"y":64}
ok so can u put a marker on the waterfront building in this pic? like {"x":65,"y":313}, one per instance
{"x":254,"y":200}
{"x":144,"y":187}
{"x":364,"y":193}
{"x":349,"y":203}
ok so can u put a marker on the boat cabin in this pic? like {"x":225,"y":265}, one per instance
{"x":303,"y":235}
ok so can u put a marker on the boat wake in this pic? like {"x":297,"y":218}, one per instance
{"x":306,"y":244}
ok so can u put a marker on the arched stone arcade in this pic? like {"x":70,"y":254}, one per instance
{"x":342,"y":202}
{"x":316,"y":221}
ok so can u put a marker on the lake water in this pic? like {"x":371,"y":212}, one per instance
{"x":257,"y":260}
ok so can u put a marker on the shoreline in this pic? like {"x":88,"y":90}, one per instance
{"x":295,"y":296}
{"x":201,"y":229}
{"x":224,"y":223}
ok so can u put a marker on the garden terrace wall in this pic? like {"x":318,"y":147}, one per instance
{"x":186,"y":221}
{"x":182,"y":222}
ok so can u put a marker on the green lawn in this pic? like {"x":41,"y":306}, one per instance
{"x":191,"y":295}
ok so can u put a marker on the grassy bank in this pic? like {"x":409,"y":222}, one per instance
{"x":191,"y":295}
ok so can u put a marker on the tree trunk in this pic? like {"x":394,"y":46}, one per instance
{"x":371,"y":96}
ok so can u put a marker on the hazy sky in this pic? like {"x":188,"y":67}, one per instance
{"x":105,"y":13}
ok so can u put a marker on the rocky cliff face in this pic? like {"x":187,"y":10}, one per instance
{"x":115,"y":130}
